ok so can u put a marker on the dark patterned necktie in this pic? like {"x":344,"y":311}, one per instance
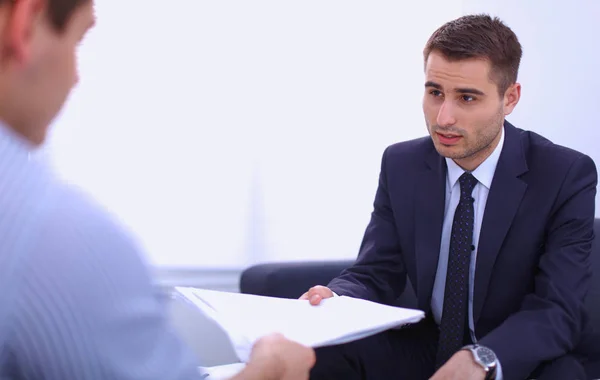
{"x":454,"y":314}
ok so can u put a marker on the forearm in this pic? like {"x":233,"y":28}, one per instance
{"x":379,"y":272}
{"x":532,"y":336}
{"x":369,"y":283}
{"x":352,"y":284}
{"x":550,"y":320}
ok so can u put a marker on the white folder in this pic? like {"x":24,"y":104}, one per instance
{"x":246,"y":318}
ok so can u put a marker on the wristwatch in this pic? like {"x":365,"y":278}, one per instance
{"x":485,"y":358}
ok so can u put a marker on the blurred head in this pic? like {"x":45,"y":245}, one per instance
{"x":38,"y":42}
{"x":471,"y":67}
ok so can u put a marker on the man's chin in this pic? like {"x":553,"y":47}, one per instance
{"x":449,"y":151}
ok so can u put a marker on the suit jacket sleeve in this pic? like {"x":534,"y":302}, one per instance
{"x":551,"y":319}
{"x":379,"y":272}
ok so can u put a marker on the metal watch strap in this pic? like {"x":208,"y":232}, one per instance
{"x":490,"y":370}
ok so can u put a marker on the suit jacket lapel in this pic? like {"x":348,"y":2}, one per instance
{"x":429,"y":219}
{"x":504,"y":198}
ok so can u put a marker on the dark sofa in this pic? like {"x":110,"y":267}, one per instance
{"x":291,"y":279}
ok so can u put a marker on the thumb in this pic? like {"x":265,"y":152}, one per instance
{"x":316,"y":299}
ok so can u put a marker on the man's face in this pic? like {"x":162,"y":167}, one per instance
{"x":463,"y":111}
{"x":47,"y":71}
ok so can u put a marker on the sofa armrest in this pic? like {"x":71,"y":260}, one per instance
{"x":289,"y":279}
{"x":292,"y":279}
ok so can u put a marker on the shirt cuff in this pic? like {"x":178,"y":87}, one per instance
{"x":499,"y":371}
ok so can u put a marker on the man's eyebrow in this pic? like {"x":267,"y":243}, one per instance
{"x":433,"y":84}
{"x":469,"y":91}
{"x":465,"y":90}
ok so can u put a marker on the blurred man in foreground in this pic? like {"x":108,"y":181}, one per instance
{"x":77,"y":301}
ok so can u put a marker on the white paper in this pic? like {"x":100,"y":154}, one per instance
{"x":246,"y":318}
{"x":221,"y":372}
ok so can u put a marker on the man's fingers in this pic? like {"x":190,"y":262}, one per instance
{"x":316,"y":294}
{"x":315,"y":299}
{"x":309,"y":294}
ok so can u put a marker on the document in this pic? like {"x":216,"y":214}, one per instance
{"x":221,"y":372}
{"x":246,"y":318}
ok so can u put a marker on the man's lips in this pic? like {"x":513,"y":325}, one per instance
{"x":448,"y":138}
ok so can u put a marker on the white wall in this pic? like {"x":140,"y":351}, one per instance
{"x":228,"y":133}
{"x":559,"y":70}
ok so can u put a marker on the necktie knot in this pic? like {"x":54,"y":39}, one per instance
{"x":467,"y":184}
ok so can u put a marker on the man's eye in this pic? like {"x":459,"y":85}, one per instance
{"x":435,"y":93}
{"x":467,"y":98}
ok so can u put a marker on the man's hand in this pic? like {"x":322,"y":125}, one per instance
{"x":274,"y":357}
{"x":461,"y":366}
{"x":316,"y":294}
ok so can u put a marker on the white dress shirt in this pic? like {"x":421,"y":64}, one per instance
{"x":484,"y":174}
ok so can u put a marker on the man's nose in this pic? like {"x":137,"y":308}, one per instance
{"x":445,"y":117}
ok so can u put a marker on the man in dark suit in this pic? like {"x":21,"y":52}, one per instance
{"x":492,"y":225}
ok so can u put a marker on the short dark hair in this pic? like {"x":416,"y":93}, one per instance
{"x":480,"y":36}
{"x":59,"y":11}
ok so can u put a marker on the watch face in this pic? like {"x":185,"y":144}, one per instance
{"x":486,"y":355}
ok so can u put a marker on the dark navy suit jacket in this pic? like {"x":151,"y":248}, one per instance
{"x":533,"y":261}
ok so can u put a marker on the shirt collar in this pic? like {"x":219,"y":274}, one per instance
{"x":484,"y":173}
{"x":12,"y":143}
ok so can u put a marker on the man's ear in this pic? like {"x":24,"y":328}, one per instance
{"x":511,"y":98}
{"x":25,"y":16}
